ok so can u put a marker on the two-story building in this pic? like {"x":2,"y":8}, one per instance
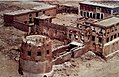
{"x":27,"y":16}
{"x":105,"y":35}
{"x":98,"y":9}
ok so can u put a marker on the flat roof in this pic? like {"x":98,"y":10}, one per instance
{"x":108,"y":22}
{"x":43,"y":17}
{"x":19,"y":12}
{"x":36,"y":40}
{"x":76,"y":43}
{"x":107,"y":4}
{"x":70,"y":4}
{"x":43,"y":6}
{"x":66,"y":19}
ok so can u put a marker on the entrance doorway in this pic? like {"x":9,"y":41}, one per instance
{"x":98,"y":15}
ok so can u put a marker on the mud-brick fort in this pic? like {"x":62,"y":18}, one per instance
{"x":95,"y":29}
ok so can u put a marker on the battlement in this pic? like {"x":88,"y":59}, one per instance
{"x":36,"y":40}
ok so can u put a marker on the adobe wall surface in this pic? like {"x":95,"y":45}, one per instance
{"x":24,"y":17}
{"x":67,"y":9}
{"x":94,"y":11}
{"x":8,"y":20}
{"x":36,"y":67}
{"x":21,"y":26}
{"x":53,"y":31}
{"x":111,"y":46}
{"x":36,"y":55}
{"x":51,"y":12}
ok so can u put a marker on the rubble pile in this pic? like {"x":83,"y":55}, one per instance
{"x":88,"y":56}
{"x":68,"y":69}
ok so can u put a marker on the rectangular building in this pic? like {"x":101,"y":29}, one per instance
{"x":27,"y":16}
{"x":99,"y":9}
{"x":105,"y":35}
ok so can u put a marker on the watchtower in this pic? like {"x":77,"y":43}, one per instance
{"x":36,"y":56}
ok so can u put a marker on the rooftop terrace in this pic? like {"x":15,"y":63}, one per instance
{"x":108,"y":22}
{"x":107,"y":4}
{"x":65,"y":19}
{"x":43,"y":17}
{"x":36,"y":40}
{"x":19,"y":12}
{"x":41,"y":6}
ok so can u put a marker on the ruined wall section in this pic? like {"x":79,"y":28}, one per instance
{"x":54,"y":31}
{"x":64,"y":54}
{"x":67,"y":9}
{"x":23,"y":27}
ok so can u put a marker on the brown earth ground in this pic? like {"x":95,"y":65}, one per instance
{"x":10,"y":39}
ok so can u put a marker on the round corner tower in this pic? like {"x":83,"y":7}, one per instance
{"x":36,"y":57}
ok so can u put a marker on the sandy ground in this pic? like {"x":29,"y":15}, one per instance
{"x":10,"y":39}
{"x":89,"y":68}
{"x":65,"y":19}
{"x":8,"y":67}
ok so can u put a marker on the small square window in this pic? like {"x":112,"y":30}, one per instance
{"x":47,"y":51}
{"x":93,"y":38}
{"x":70,"y":35}
{"x":100,"y":39}
{"x":44,"y":12}
{"x":93,"y":43}
{"x":38,"y":53}
{"x":107,"y":39}
{"x":115,"y":36}
{"x":111,"y":38}
{"x":29,"y":53}
{"x":36,"y":14}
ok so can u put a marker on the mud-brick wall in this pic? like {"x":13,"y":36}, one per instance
{"x":36,"y":59}
{"x":51,"y":12}
{"x":24,"y":17}
{"x":21,"y":26}
{"x":8,"y":20}
{"x":59,"y":50}
{"x":35,"y":67}
{"x":111,"y":47}
{"x":63,"y":58}
{"x":53,"y":30}
{"x":78,"y":52}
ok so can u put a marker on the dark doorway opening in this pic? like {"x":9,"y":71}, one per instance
{"x":98,"y":15}
{"x":36,"y":14}
{"x":81,"y":13}
{"x":87,"y":14}
{"x":84,"y":14}
{"x":91,"y":16}
{"x":101,"y":16}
